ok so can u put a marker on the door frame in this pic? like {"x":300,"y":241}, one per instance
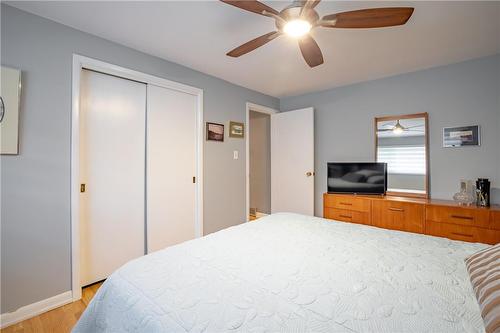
{"x":257,"y":108}
{"x":81,"y":62}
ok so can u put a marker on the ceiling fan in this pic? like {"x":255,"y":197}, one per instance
{"x":299,"y":18}
{"x":398,"y":128}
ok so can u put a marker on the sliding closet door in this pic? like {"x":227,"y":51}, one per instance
{"x":171,"y":166}
{"x":112,"y":167}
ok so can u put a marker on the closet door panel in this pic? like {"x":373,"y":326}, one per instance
{"x":171,"y":166}
{"x":112,"y":167}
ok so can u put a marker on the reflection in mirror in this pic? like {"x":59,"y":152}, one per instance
{"x":401,"y":142}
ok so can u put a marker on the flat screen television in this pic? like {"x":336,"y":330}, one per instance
{"x":357,"y":178}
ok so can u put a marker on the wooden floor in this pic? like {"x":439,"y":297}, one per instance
{"x":58,"y":320}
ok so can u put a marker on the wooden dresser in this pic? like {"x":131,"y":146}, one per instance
{"x":431,"y":217}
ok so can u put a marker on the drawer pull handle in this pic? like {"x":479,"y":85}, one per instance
{"x":460,"y":234}
{"x":346,"y":216}
{"x":462,"y":217}
{"x":396,"y":209}
{"x":346,"y":203}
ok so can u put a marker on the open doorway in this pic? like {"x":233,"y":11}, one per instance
{"x":259,"y":161}
{"x":260,"y":164}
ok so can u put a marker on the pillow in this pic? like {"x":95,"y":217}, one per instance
{"x":484,"y":273}
{"x":353,"y":177}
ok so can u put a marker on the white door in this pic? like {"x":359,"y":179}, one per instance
{"x":112,"y":167}
{"x":171,"y":166}
{"x":292,"y":162}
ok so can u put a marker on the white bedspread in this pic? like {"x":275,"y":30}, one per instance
{"x":292,"y":273}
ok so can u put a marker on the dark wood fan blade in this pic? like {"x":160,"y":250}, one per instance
{"x":253,"y":44}
{"x":310,"y":51}
{"x":308,"y":4}
{"x":252,"y":6}
{"x":368,"y":18}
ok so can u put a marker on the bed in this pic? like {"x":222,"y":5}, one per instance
{"x":293,"y":273}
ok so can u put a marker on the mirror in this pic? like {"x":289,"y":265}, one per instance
{"x":402,"y":143}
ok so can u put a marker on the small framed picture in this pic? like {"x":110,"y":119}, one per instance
{"x":236,"y":130}
{"x":461,"y":136}
{"x":10,"y":95}
{"x":215,"y":132}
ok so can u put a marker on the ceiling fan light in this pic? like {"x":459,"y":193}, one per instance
{"x":297,"y":28}
{"x":398,"y":129}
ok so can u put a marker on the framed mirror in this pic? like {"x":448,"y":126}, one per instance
{"x":402,"y":142}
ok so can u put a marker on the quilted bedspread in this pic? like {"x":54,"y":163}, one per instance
{"x":292,"y":273}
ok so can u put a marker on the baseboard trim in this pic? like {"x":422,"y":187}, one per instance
{"x":34,"y":309}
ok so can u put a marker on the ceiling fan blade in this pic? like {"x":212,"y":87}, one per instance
{"x":309,"y":4}
{"x":253,"y":44}
{"x":252,"y":6}
{"x":310,"y":51}
{"x":368,"y":18}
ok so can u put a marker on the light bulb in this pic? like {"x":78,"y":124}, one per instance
{"x":397,"y":130}
{"x":297,"y":28}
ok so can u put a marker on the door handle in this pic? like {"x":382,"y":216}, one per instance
{"x":309,"y":174}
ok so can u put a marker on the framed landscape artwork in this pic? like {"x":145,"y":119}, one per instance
{"x":236,"y":130}
{"x":461,"y":136}
{"x":10,"y":95}
{"x":215,"y":132}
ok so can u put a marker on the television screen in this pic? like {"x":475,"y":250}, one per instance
{"x":358,"y":178}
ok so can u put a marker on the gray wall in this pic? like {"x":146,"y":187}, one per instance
{"x":459,"y":94}
{"x":35,"y":216}
{"x":260,"y":161}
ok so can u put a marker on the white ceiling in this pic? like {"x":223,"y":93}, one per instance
{"x":198,"y":34}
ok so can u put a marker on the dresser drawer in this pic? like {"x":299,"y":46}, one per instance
{"x":347,"y":202}
{"x":347,"y":215}
{"x":457,"y":215}
{"x":495,"y":220}
{"x":453,"y":231}
{"x":462,"y":232}
{"x":398,"y":215}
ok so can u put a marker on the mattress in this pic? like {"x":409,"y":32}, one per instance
{"x":292,"y":273}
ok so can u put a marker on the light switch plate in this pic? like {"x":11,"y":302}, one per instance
{"x":235,"y":154}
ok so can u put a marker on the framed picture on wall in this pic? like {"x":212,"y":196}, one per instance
{"x":236,"y":130}
{"x":10,"y":95}
{"x":461,"y":136}
{"x":215,"y":132}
